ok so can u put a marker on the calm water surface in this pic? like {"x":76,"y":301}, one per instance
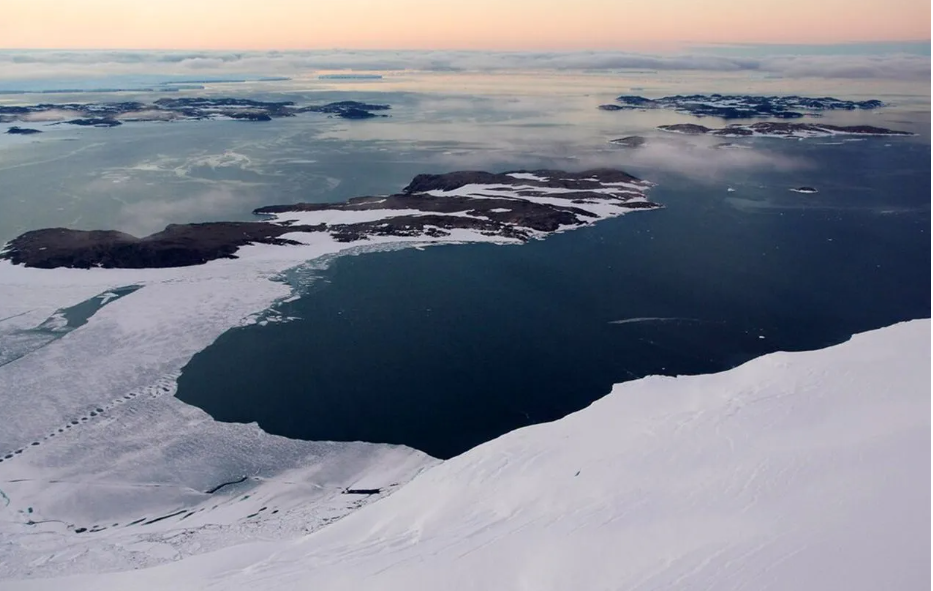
{"x":445,"y":348}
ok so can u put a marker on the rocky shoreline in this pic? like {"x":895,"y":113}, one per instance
{"x":513,"y":206}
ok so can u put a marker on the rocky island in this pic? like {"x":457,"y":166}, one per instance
{"x":740,"y":106}
{"x":95,"y":122}
{"x":781,"y":129}
{"x":632,"y":141}
{"x":23,"y":131}
{"x":173,"y":109}
{"x":350,"y":109}
{"x":508,"y":207}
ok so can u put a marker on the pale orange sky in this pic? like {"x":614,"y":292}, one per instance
{"x":453,"y":24}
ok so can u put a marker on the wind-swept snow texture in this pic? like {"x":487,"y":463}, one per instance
{"x":798,"y":471}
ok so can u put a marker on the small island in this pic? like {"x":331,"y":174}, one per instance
{"x":95,"y":122}
{"x":804,"y":190}
{"x":741,"y":106}
{"x":180,"y":109}
{"x":508,"y":207}
{"x":350,"y":109}
{"x":632,"y":141}
{"x":23,"y":131}
{"x":782,"y":129}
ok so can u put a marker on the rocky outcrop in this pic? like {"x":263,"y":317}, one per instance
{"x":514,"y":206}
{"x":95,"y":122}
{"x":251,"y":116}
{"x":349,"y":109}
{"x":23,"y":131}
{"x":178,"y":245}
{"x":632,"y":141}
{"x":687,"y":128}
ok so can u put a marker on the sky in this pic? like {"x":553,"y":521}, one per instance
{"x":513,"y":25}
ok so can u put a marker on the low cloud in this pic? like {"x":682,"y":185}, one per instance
{"x":145,"y":217}
{"x":705,"y":161}
{"x":699,"y":159}
{"x":896,"y":67}
{"x":26,"y":65}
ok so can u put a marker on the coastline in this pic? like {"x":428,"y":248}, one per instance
{"x":114,"y":380}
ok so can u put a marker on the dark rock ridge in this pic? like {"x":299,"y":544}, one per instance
{"x":493,"y":204}
{"x":178,"y":245}
{"x":108,"y":114}
{"x":350,"y":109}
{"x":781,"y":129}
{"x":739,"y":106}
{"x":518,"y":206}
{"x":95,"y":122}
{"x":22,"y":131}
{"x":687,"y":128}
{"x":632,"y":141}
{"x":250,"y":116}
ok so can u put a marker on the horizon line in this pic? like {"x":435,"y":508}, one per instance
{"x":681,"y":46}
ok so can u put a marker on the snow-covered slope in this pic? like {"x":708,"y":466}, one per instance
{"x":794,"y":471}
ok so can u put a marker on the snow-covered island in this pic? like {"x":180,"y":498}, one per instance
{"x":732,"y":106}
{"x":805,"y":471}
{"x":511,"y":206}
{"x":112,"y":114}
{"x":781,"y":129}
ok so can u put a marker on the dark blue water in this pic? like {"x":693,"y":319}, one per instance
{"x":446,"y":348}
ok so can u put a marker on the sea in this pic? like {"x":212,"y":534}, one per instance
{"x":443,"y":348}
